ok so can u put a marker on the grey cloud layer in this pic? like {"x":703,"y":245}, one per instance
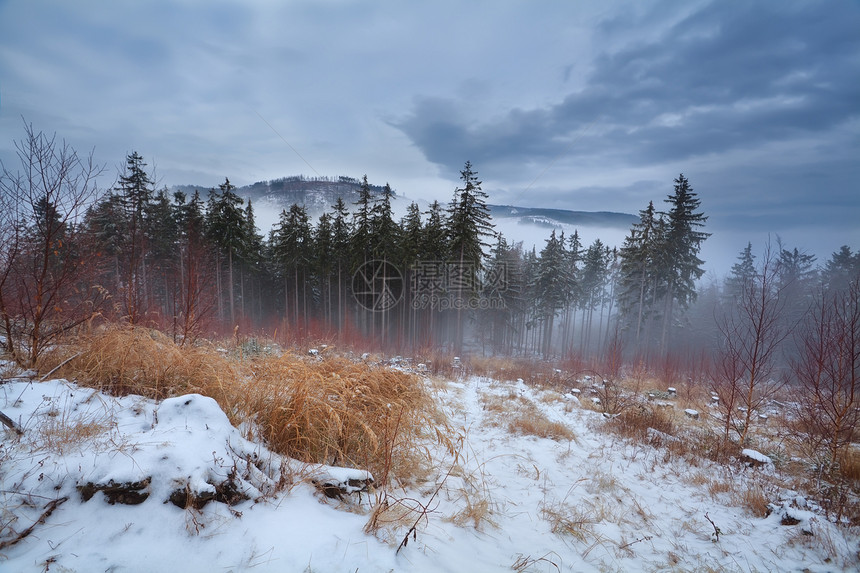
{"x":727,"y":77}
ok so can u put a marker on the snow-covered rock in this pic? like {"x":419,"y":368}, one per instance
{"x":755,"y":458}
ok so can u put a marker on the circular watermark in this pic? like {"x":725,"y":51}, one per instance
{"x":377,"y":285}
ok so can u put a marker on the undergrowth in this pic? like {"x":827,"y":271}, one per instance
{"x":316,"y":409}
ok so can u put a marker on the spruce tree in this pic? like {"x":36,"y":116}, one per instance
{"x":469,"y":224}
{"x":681,"y":265}
{"x":551,"y":287}
{"x":340,"y":231}
{"x":135,"y":191}
{"x":292,"y":250}
{"x":742,"y":272}
{"x":842,"y":268}
{"x":227,"y":229}
{"x":638,"y":273}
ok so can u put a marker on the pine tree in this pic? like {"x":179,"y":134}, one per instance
{"x":384,"y":232}
{"x":196,"y":297}
{"x":574,"y":256}
{"x":292,"y":250}
{"x":340,"y":232}
{"x":362,"y":226}
{"x":435,"y":243}
{"x":469,"y":224}
{"x":411,"y":233}
{"x":638,"y":273}
{"x":595,"y":272}
{"x":681,"y":266}
{"x":135,"y":191}
{"x":551,"y":286}
{"x":796,"y":277}
{"x":227,"y":229}
{"x":742,"y":272}
{"x":161,"y":236}
{"x":842,"y":268}
{"x":251,"y":257}
{"x":324,"y":257}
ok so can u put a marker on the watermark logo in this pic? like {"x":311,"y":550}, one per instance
{"x":436,"y":285}
{"x":377,"y":286}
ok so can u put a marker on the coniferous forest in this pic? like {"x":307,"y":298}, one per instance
{"x":74,"y":255}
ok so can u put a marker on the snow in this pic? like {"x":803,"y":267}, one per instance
{"x":593,"y":503}
{"x":757,"y":456}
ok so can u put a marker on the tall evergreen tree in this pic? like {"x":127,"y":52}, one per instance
{"x":551,"y":287}
{"x":227,"y":229}
{"x":742,"y":272}
{"x":640,"y":259}
{"x":362,"y":226}
{"x":682,"y":266}
{"x":292,"y":250}
{"x":340,"y":231}
{"x":384,"y":233}
{"x":842,"y":268}
{"x":135,"y":191}
{"x":469,"y":225}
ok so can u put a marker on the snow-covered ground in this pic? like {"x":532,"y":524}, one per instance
{"x":506,"y":502}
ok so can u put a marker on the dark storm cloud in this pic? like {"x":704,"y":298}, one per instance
{"x":730,"y":76}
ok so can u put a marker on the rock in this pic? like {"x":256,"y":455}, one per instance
{"x":129,"y":493}
{"x":226,"y":492}
{"x":313,"y":352}
{"x":672,"y":391}
{"x":692,"y":413}
{"x":754,"y":459}
{"x":337,"y":482}
{"x":657,"y":438}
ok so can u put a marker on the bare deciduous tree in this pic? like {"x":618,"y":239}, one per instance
{"x":827,"y":368}
{"x":744,"y":372}
{"x":45,"y":287}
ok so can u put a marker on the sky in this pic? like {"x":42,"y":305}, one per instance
{"x":582,"y":105}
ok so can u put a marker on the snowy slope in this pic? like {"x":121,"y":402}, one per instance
{"x":506,"y":502}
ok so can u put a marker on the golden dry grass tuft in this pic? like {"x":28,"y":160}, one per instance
{"x":753,"y":498}
{"x":59,"y":434}
{"x":121,"y":361}
{"x":521,"y":416}
{"x":636,"y":422}
{"x":330,"y":410}
{"x":341,"y":412}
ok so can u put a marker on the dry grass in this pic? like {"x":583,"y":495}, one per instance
{"x":59,"y":434}
{"x":754,"y":499}
{"x":329,"y":410}
{"x":635,"y":422}
{"x":122,"y":361}
{"x":477,"y":510}
{"x":340,"y":412}
{"x":521,"y":416}
{"x":566,"y":519}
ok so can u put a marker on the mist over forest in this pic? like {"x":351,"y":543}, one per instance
{"x":341,"y":264}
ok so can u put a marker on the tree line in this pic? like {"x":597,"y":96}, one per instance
{"x":442,"y":278}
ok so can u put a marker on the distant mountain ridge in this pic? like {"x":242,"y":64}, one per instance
{"x":317,"y":194}
{"x":557,"y":217}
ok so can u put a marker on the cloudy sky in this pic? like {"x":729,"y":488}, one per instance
{"x":584,"y":105}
